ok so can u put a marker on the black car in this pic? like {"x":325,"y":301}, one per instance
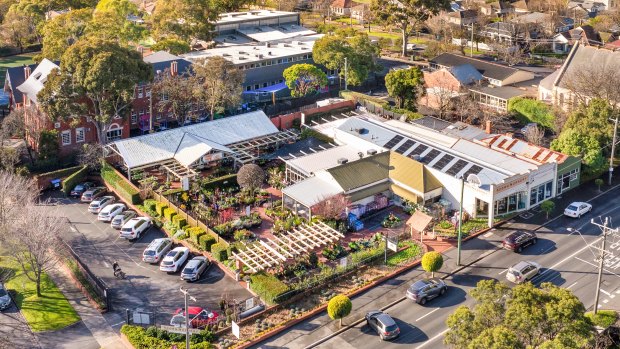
{"x":381,"y":322}
{"x":81,"y":188}
{"x":518,"y":240}
{"x":427,"y":289}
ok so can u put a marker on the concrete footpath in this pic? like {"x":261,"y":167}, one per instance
{"x":92,"y":332}
{"x":317,"y":328}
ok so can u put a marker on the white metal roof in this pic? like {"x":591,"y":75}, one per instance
{"x":160,"y":56}
{"x":313,"y":190}
{"x":35,"y":82}
{"x":173,"y":144}
{"x":232,"y":17}
{"x":325,"y":159}
{"x":271,"y":33}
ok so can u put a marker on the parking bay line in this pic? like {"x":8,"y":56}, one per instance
{"x":427,"y":314}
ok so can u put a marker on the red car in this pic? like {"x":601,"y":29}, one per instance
{"x":199,"y":317}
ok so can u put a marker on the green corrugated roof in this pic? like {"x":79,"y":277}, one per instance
{"x":362,"y":172}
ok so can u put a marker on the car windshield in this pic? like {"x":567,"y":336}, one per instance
{"x":79,"y":187}
{"x":2,"y":292}
{"x":572,"y":208}
{"x":166,"y":262}
{"x":391,"y":328}
{"x":126,"y":229}
{"x":188,"y":270}
{"x":149,"y":253}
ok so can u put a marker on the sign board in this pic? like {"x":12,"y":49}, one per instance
{"x":185,"y":183}
{"x":141,"y":318}
{"x":392,"y":245}
{"x":344,"y":261}
{"x":181,"y":330}
{"x":249,"y":303}
{"x":248,"y":210}
{"x":235,"y":329}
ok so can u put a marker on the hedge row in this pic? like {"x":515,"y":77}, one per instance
{"x":122,"y":185}
{"x":169,"y":213}
{"x":267,"y":286}
{"x":179,"y":221}
{"x":219,"y":252}
{"x":221,"y":182}
{"x":140,"y":338}
{"x":60,"y":173}
{"x":70,"y":182}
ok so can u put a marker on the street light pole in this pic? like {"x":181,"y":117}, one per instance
{"x":345,"y":74}
{"x":460,"y":233}
{"x":613,"y":150}
{"x":186,"y":295}
{"x":600,"y":265}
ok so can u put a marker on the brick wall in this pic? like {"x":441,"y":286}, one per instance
{"x":284,"y":122}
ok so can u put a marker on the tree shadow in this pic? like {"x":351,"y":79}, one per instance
{"x":467,"y":279}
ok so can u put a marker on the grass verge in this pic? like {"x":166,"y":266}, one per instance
{"x":405,"y":256}
{"x":49,"y":312}
{"x":603,"y":318}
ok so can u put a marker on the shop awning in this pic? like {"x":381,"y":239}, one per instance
{"x":405,"y":194}
{"x":419,"y":221}
{"x":269,"y":89}
{"x":370,"y":191}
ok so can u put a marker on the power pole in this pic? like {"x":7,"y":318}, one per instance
{"x":186,"y":294}
{"x":613,"y":150}
{"x":471,"y":42}
{"x":606,"y":230}
{"x":460,"y":233}
{"x":346,"y":75}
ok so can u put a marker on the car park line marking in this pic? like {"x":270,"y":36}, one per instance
{"x":122,"y":322}
{"x":427,"y":314}
{"x":106,"y":264}
{"x":571,"y":285}
{"x":432,"y":339}
{"x":605,"y":300}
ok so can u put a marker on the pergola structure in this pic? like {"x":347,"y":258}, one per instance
{"x":270,"y":253}
{"x":248,"y":151}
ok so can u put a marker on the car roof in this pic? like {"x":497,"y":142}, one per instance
{"x":519,"y":266}
{"x":180,"y":248}
{"x":420,"y":283}
{"x":517,"y":234}
{"x":194,"y":262}
{"x":577,"y":203}
{"x":386,"y":319}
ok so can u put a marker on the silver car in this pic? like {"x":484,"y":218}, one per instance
{"x":5,"y":299}
{"x":523,"y":271}
{"x":381,"y":322}
{"x":98,"y":204}
{"x":195,"y":268}
{"x":120,"y":219}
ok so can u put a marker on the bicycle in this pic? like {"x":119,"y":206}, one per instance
{"x":119,"y":274}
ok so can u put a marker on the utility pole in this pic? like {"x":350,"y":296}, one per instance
{"x":346,"y":75}
{"x":460,"y":233}
{"x":613,"y":150}
{"x":471,"y":42}
{"x":186,"y":294}
{"x":606,"y":229}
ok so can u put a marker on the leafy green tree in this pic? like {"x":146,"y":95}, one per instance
{"x":96,"y":79}
{"x":593,"y":120}
{"x":221,"y":84}
{"x":4,"y":7}
{"x":183,"y":19}
{"x":110,"y":22}
{"x":63,"y":31}
{"x":432,"y":261}
{"x":407,"y":15}
{"x":174,"y":46}
{"x":405,"y":85}
{"x":304,"y":79}
{"x":360,"y":52}
{"x":580,"y":143}
{"x":18,"y":28}
{"x":339,"y":307}
{"x":524,"y":317}
{"x":547,"y":207}
{"x":530,"y":110}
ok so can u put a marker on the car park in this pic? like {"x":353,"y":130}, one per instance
{"x":174,"y":259}
{"x":92,"y":193}
{"x":110,"y":211}
{"x":79,"y":189}
{"x":577,"y":209}
{"x":156,"y":250}
{"x":383,"y":323}
{"x":426,"y":289}
{"x":523,"y":271}
{"x":518,"y":240}
{"x":5,"y":298}
{"x":98,"y":204}
{"x":199,"y":317}
{"x":195,"y":268}
{"x":120,"y":219}
{"x":135,"y":227}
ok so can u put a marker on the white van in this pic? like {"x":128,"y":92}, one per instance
{"x":135,"y":227}
{"x":156,"y":250}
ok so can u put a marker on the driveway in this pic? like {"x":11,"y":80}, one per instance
{"x":145,"y":287}
{"x":14,"y":331}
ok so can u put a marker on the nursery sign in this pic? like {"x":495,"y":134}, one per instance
{"x":392,"y":245}
{"x":235,"y":329}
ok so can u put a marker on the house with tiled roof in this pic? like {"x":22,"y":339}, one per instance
{"x":342,"y":8}
{"x":586,"y":35}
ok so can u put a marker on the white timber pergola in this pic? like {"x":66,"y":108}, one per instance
{"x":270,"y":253}
{"x":244,"y":150}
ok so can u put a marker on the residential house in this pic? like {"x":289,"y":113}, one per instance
{"x":342,"y":8}
{"x":361,"y":13}
{"x":444,"y":84}
{"x":614,"y":45}
{"x":538,"y":24}
{"x":585,"y":35}
{"x":497,"y":8}
{"x":460,"y":18}
{"x":584,"y":9}
{"x":557,"y":87}
{"x":506,"y":32}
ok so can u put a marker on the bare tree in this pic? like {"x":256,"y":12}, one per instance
{"x":591,"y":81}
{"x":465,"y":108}
{"x":15,"y":125}
{"x":250,"y":177}
{"x":16,"y":193}
{"x":535,"y":135}
{"x":176,"y":94}
{"x":322,"y":7}
{"x":332,"y":207}
{"x":221,"y":84}
{"x":91,"y":155}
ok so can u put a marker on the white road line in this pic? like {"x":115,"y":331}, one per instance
{"x":594,"y":265}
{"x":432,"y":339}
{"x":571,"y":285}
{"x":503,"y":271}
{"x":605,"y":300}
{"x":427,"y":314}
{"x":106,"y":264}
{"x":567,"y":258}
{"x":72,"y":228}
{"x":120,"y":323}
{"x":488,"y":234}
{"x":605,"y":292}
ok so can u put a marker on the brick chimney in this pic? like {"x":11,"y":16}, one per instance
{"x":27,"y":72}
{"x":174,"y":68}
{"x":488,"y":127}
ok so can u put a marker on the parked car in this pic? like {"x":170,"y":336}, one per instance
{"x":523,"y":271}
{"x":156,"y":250}
{"x":576,"y":209}
{"x":110,"y":211}
{"x":120,"y":219}
{"x":98,"y":204}
{"x":174,"y":259}
{"x":519,"y":240}
{"x":381,"y":322}
{"x":195,"y":268}
{"x":5,"y":299}
{"x":198,"y":317}
{"x":79,"y":189}
{"x":135,"y":227}
{"x":92,"y":193}
{"x":427,"y":289}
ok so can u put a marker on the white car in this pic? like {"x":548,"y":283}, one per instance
{"x":576,"y":209}
{"x":98,"y":204}
{"x":120,"y":219}
{"x":523,"y":271}
{"x":135,"y":227}
{"x":110,"y":211}
{"x":174,"y":260}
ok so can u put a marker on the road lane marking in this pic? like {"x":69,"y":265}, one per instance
{"x":503,"y":271}
{"x":432,"y":339}
{"x":488,"y":234}
{"x":427,"y":314}
{"x":567,"y":258}
{"x":571,"y":285}
{"x":605,"y":292}
{"x":594,"y":265}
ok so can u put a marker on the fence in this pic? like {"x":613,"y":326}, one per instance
{"x":286,"y":121}
{"x":373,"y":108}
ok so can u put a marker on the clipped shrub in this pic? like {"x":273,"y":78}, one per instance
{"x":194,"y":233}
{"x":267,"y":286}
{"x":179,"y":221}
{"x":159,"y":208}
{"x":206,"y":242}
{"x":150,"y":205}
{"x":122,"y":186}
{"x":169,"y":213}
{"x":74,"y":179}
{"x":219,"y":252}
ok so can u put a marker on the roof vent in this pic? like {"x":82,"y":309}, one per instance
{"x":342,"y":161}
{"x":371,"y":151}
{"x":360,"y":154}
{"x":362,"y":131}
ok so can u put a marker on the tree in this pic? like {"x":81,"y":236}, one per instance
{"x":18,"y":29}
{"x":111,"y":22}
{"x":184,"y":20}
{"x":535,"y":135}
{"x":547,"y":207}
{"x":180,"y":90}
{"x":332,"y":207}
{"x":14,"y":126}
{"x":222,"y":84}
{"x":304,"y":79}
{"x":573,"y":142}
{"x":405,"y":85}
{"x":360,"y":52}
{"x":63,"y":31}
{"x":174,"y":46}
{"x":96,"y":79}
{"x":590,"y":81}
{"x":91,"y":155}
{"x":529,"y":110}
{"x":522,"y":317}
{"x":250,"y":177}
{"x":599,"y":183}
{"x":276,"y":178}
{"x":339,"y":307}
{"x":407,"y":15}
{"x":5,"y":5}
{"x":432,"y":261}
{"x":593,"y":119}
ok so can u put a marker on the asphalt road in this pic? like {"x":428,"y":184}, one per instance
{"x":568,"y":260}
{"x":145,"y":287}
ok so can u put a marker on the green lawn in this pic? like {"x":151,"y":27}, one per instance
{"x":405,"y":256}
{"x":383,"y":35}
{"x":14,"y":61}
{"x":347,"y":20}
{"x":49,"y":312}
